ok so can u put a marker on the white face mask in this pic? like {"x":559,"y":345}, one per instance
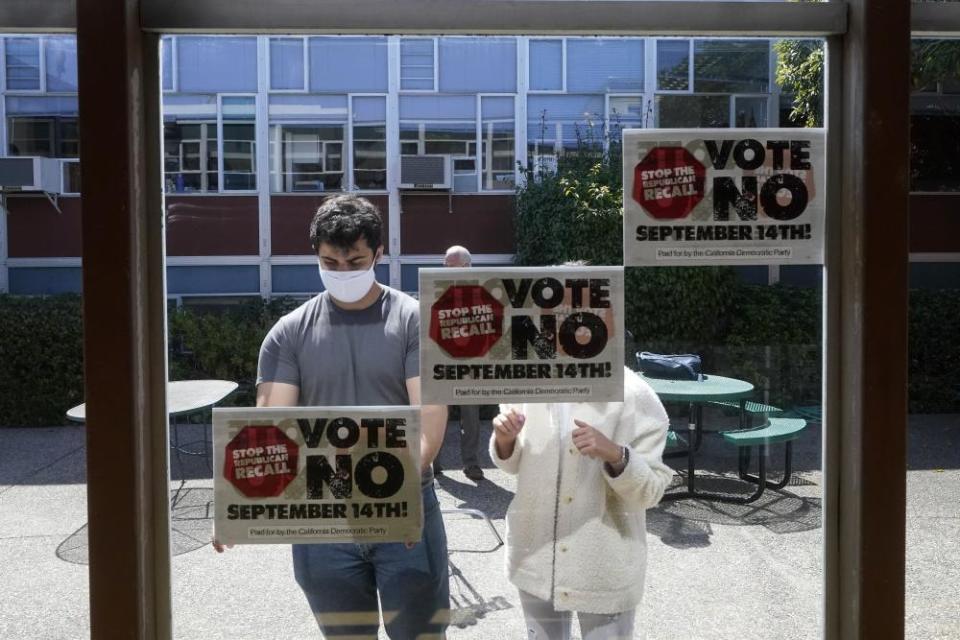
{"x":348,"y":286}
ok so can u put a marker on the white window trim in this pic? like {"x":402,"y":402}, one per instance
{"x":305,"y":57}
{"x":563,"y":66}
{"x":221,"y":186}
{"x":436,"y":65}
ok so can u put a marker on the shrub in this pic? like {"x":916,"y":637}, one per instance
{"x":222,"y":342}
{"x":41,"y":359}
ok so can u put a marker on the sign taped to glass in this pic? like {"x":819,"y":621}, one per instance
{"x":702,"y":197}
{"x":524,"y":334}
{"x":317,"y":474}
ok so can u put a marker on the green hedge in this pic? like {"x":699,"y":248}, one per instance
{"x":222,"y":342}
{"x":769,"y":335}
{"x":41,"y":359}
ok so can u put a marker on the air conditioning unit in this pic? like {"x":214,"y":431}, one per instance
{"x":425,"y":172}
{"x":30,"y":174}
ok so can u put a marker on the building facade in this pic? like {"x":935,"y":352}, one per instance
{"x":259,"y":129}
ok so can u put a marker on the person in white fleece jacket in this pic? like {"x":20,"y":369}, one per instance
{"x":576,"y":528}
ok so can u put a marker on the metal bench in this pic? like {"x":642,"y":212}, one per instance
{"x":776,"y":430}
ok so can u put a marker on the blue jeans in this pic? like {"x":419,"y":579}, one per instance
{"x":341,"y":582}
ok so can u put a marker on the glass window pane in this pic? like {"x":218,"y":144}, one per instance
{"x":416,"y":64}
{"x":61,"y":63}
{"x":23,"y":64}
{"x":438,"y":107}
{"x":750,"y":112}
{"x":935,"y":116}
{"x":309,"y":157}
{"x":166,"y":63}
{"x":731,"y":66}
{"x":693,"y":111}
{"x":487,"y":64}
{"x":348,"y":64}
{"x":370,"y":143}
{"x":31,"y":136}
{"x":673,"y":65}
{"x":497,"y":136}
{"x":209,"y":64}
{"x":286,"y":63}
{"x":604,"y":64}
{"x":546,"y":65}
{"x":189,"y":156}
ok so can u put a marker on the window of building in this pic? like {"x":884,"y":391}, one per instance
{"x":731,"y":66}
{"x":287,"y":64}
{"x":562,"y":122}
{"x":693,"y":111}
{"x":477,"y":65}
{"x":750,"y":111}
{"x":71,"y":177}
{"x":47,"y":136}
{"x":624,"y":112}
{"x":307,"y":157}
{"x":673,"y":65}
{"x":238,"y":155}
{"x":23,"y":64}
{"x":935,"y":116}
{"x":369,"y":142}
{"x":497,"y":136}
{"x":418,"y":64}
{"x":167,"y":71}
{"x":602,"y":65}
{"x":348,"y":64}
{"x":190,"y":156}
{"x":206,"y":64}
{"x":60,"y":63}
{"x":546,"y":65}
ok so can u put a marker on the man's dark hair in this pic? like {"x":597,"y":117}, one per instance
{"x":344,"y":219}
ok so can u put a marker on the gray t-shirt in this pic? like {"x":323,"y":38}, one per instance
{"x":346,"y":358}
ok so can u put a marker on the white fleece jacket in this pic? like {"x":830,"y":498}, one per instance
{"x":575,"y":535}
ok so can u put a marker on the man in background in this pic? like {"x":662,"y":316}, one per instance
{"x":458,"y":256}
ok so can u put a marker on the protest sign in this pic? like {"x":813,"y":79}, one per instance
{"x":521,"y":334}
{"x":317,"y":474}
{"x":723,"y":196}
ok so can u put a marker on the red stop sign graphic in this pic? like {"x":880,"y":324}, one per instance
{"x":261,"y":461}
{"x":466,"y":321}
{"x":669,"y":182}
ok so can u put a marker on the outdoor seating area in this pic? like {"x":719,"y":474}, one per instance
{"x":700,"y":551}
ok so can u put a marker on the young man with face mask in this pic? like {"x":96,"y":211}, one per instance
{"x":357,"y":344}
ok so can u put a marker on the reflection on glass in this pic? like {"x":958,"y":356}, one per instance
{"x":370,"y":156}
{"x":731,"y":66}
{"x":750,"y":112}
{"x":310,"y":157}
{"x":190,"y":156}
{"x":673,"y":65}
{"x":935,"y":116}
{"x":239,"y":146}
{"x":693,"y":111}
{"x":23,"y":64}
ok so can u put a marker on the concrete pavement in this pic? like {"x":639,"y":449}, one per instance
{"x":715,"y":571}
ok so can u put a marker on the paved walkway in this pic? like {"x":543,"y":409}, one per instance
{"x":715,"y":571}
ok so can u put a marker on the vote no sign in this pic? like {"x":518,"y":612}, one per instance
{"x":521,"y":334}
